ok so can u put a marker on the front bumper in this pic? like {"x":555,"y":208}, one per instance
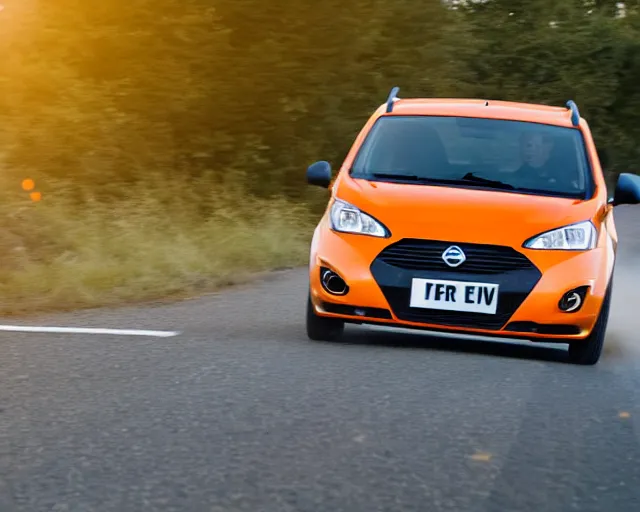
{"x":380,"y":274}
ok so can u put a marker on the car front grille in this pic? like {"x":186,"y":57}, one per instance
{"x":415,"y":254}
{"x":399,"y":263}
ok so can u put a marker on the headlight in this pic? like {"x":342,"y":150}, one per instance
{"x":575,"y":237}
{"x":347,"y":218}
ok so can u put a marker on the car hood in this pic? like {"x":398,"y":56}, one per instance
{"x":461,"y":214}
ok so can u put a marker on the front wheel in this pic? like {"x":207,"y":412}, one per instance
{"x":320,"y":328}
{"x":588,"y":351}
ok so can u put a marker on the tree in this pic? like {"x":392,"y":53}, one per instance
{"x":549,"y":52}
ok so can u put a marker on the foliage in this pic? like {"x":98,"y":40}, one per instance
{"x":548,"y":52}
{"x":106,"y":93}
{"x":65,"y":253}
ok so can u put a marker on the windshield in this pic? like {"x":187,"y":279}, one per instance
{"x":512,"y":156}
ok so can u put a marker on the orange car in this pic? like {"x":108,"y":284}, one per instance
{"x":471,"y":216}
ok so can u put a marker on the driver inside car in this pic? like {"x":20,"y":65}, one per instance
{"x":542,"y":161}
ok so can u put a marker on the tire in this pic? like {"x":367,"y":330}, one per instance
{"x":588,"y":351}
{"x":320,"y":328}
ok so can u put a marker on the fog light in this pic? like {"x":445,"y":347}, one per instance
{"x":573,"y":300}
{"x":332,"y":282}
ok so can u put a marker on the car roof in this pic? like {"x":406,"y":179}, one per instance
{"x":492,"y":109}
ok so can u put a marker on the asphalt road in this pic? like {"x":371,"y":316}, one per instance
{"x":240,"y":412}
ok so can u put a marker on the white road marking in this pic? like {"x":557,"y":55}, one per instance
{"x":88,"y":330}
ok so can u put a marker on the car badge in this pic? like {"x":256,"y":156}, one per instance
{"x":454,"y":256}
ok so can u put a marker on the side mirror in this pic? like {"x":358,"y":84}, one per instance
{"x":319,"y":174}
{"x":627,"y":190}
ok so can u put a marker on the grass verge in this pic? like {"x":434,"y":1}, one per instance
{"x":68,"y":252}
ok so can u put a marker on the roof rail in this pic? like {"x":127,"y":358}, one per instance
{"x":575,"y":113}
{"x":392,"y":96}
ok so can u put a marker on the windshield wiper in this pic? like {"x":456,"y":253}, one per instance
{"x":394,"y":176}
{"x":467,"y":179}
{"x":470,"y":177}
{"x":415,"y":177}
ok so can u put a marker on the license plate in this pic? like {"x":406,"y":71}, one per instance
{"x":454,"y":296}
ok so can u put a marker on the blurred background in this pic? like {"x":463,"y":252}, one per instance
{"x":167,"y":140}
